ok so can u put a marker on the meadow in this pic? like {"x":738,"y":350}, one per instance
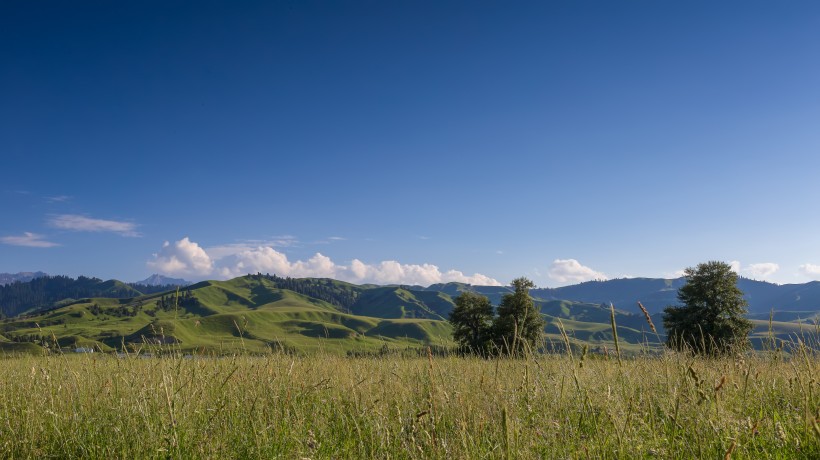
{"x":668,"y":405}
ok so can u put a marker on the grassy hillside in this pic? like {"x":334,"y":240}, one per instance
{"x":256,"y":314}
{"x":397,"y":302}
{"x":244,"y":314}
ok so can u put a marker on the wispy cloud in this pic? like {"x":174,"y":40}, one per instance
{"x":58,"y":198}
{"x":225,"y":250}
{"x":329,"y":240}
{"x":79,"y":223}
{"x":28,"y":239}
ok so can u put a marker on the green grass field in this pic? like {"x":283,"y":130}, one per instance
{"x":253,"y":371}
{"x":327,"y":406}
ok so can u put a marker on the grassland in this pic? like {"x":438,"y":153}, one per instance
{"x":762,"y":405}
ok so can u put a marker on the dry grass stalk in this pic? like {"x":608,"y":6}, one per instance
{"x":615,"y":333}
{"x":648,"y":318}
{"x":720,"y":385}
{"x":728,"y":454}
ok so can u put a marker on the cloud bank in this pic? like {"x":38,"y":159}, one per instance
{"x":571,"y":271}
{"x":79,"y":223}
{"x":28,"y":239}
{"x":762,"y":270}
{"x":187,"y":258}
{"x":810,"y":270}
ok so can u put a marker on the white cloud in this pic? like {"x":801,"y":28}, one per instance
{"x":735,"y":265}
{"x":182,"y":258}
{"x":762,"y":270}
{"x":177,"y":259}
{"x":571,"y":271}
{"x":393,"y":272}
{"x":262,"y":259}
{"x":57,"y":198}
{"x":810,"y":270}
{"x":86,"y":224}
{"x":28,"y":239}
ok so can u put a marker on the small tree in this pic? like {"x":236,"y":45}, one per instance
{"x":472,"y":321}
{"x":711,"y":320}
{"x":519,"y":325}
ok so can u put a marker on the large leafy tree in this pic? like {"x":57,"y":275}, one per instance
{"x":519,"y":325}
{"x":472,"y":321}
{"x":711,"y":319}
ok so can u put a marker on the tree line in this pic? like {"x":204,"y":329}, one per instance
{"x":18,"y":297}
{"x":46,"y":291}
{"x":337,"y":294}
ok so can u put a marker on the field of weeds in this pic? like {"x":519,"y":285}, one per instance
{"x":279,"y":406}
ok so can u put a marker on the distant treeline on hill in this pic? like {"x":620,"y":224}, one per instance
{"x":336,"y":293}
{"x":48,"y":291}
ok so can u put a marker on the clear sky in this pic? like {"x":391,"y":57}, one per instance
{"x":411,"y":142}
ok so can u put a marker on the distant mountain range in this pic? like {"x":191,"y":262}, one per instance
{"x":159,"y":280}
{"x":654,"y":293}
{"x":8,"y":278}
{"x":657,"y":293}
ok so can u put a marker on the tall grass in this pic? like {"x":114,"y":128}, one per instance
{"x":321,"y":406}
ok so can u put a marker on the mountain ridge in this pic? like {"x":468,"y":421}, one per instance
{"x":8,"y":278}
{"x":654,"y":293}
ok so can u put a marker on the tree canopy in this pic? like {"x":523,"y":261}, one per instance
{"x":472,"y":320}
{"x":518,"y":328}
{"x":519,"y":325}
{"x":711,"y":319}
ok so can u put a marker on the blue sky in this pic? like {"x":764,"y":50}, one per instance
{"x":410,"y":142}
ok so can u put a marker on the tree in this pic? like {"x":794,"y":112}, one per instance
{"x":472,"y":321}
{"x":519,"y":325}
{"x":711,"y":320}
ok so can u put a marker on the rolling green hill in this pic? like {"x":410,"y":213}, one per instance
{"x":397,"y":302}
{"x":248,"y":313}
{"x":257,"y":313}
